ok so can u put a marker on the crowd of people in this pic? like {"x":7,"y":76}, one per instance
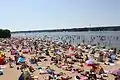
{"x":58,"y":60}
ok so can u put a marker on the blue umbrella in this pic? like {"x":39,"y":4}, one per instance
{"x":21,"y":60}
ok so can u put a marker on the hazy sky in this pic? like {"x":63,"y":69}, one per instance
{"x":55,"y":14}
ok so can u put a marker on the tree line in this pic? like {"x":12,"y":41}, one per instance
{"x":5,"y":33}
{"x":109,"y":28}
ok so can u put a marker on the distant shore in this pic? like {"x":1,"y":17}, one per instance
{"x":108,"y":28}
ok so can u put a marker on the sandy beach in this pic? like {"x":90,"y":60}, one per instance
{"x":14,"y":74}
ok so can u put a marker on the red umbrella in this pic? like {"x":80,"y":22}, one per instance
{"x":2,"y":60}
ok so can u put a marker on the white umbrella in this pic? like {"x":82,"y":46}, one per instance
{"x":79,"y":47}
{"x":89,"y":46}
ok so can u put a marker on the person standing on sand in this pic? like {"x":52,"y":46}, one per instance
{"x":100,"y":58}
{"x":35,"y":60}
{"x":16,"y":58}
{"x":10,"y":62}
{"x":86,"y":57}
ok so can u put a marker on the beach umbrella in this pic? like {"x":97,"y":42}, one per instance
{"x":2,"y":53}
{"x":89,"y":46}
{"x":2,"y":60}
{"x":116,"y":72}
{"x":79,"y":47}
{"x":90,"y":62}
{"x":21,"y":60}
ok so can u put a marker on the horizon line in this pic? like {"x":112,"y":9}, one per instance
{"x":62,"y":28}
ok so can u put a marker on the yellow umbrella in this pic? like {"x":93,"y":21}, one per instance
{"x":2,"y":54}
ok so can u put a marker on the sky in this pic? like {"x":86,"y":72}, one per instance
{"x":18,"y":15}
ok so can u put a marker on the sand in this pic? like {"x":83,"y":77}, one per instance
{"x":13,"y":73}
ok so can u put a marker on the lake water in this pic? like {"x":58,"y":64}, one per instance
{"x":108,"y":38}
